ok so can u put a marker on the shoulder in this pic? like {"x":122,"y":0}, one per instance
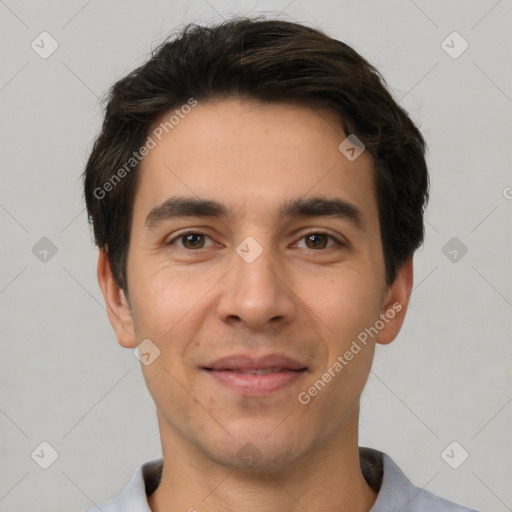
{"x":425,"y":501}
{"x":133,"y":497}
{"x":397,"y":492}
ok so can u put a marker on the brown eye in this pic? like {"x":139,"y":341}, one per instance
{"x":316,"y":241}
{"x":193,"y":241}
{"x":190,"y":240}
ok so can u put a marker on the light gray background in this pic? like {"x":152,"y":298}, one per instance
{"x":63,"y":377}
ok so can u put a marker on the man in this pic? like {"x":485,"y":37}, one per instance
{"x":257,"y":197}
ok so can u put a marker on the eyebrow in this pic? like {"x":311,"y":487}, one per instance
{"x":180,"y":206}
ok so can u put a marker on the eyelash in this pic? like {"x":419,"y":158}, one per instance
{"x":338,"y":243}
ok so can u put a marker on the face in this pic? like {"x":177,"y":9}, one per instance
{"x":255,"y":239}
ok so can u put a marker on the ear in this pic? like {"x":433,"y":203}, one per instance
{"x":118,"y":308}
{"x":395,"y":304}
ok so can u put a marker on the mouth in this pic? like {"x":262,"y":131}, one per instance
{"x":256,"y":377}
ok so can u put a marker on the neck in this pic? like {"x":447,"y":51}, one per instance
{"x":328,"y":478}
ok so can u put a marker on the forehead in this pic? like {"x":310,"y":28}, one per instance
{"x":253,"y":156}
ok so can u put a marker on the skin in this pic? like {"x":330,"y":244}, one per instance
{"x":303,"y":300}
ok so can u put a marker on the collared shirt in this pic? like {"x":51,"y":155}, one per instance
{"x":395,"y":492}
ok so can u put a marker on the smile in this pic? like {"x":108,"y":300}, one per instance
{"x":256,"y":381}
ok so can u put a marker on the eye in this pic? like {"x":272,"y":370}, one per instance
{"x":319,"y":240}
{"x":190,"y":240}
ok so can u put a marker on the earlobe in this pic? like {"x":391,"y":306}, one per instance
{"x":396,"y":303}
{"x":118,"y":307}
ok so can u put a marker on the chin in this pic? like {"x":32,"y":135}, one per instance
{"x":251,"y":458}
{"x":265,"y":447}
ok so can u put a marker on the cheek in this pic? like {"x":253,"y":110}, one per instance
{"x":170,"y":308}
{"x":346,"y":304}
{"x":166,"y":293}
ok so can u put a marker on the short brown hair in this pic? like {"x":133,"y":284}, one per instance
{"x":270,"y":61}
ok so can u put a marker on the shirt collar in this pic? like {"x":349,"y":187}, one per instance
{"x":382,"y":474}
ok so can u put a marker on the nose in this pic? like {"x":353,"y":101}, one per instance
{"x":257,"y":294}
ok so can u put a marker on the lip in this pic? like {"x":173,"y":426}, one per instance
{"x":244,"y":362}
{"x":229,"y":371}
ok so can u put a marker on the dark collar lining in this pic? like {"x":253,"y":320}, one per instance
{"x":372,"y":466}
{"x":152,"y":472}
